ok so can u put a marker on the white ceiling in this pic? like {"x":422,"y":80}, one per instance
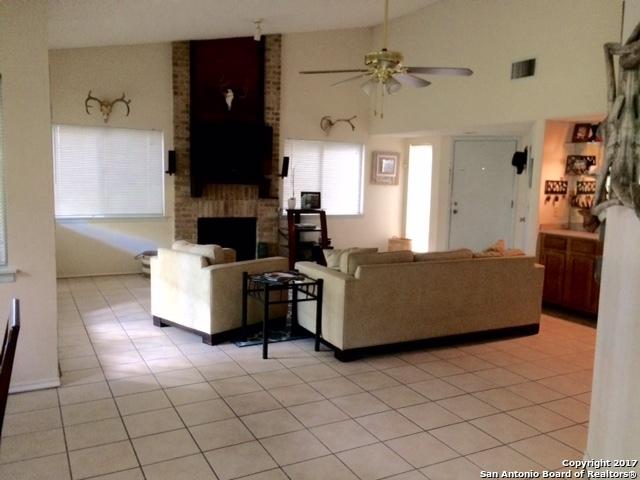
{"x":89,"y":23}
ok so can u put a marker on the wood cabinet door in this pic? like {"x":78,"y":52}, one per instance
{"x":580,"y":284}
{"x":554,"y":275}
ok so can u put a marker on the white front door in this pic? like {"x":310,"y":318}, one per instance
{"x":482,"y":199}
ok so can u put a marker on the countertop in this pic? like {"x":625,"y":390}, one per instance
{"x":565,"y":232}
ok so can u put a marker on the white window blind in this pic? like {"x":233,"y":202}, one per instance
{"x":331,"y":168}
{"x":3,"y":228}
{"x":107,"y":172}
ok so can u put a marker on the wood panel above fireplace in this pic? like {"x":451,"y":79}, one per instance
{"x":217,"y":66}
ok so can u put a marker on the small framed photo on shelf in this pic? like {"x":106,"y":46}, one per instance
{"x":310,"y":200}
{"x":579,"y":164}
{"x":384,"y":170}
{"x":581,"y":133}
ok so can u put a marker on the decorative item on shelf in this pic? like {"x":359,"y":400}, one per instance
{"x":590,"y":222}
{"x":581,"y":133}
{"x":579,"y":164}
{"x":385,"y":168}
{"x":326,"y":123}
{"x":310,"y":200}
{"x":556,"y":187}
{"x":106,"y":106}
{"x":291,"y":201}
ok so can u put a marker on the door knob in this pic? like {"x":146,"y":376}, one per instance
{"x":455,"y":211}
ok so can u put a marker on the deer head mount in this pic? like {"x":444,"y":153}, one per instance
{"x":230,"y":94}
{"x":106,"y":107}
{"x":327,"y":123}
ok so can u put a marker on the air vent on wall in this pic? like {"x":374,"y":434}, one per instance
{"x":525,"y":68}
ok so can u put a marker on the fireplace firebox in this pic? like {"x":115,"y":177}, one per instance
{"x":238,"y":233}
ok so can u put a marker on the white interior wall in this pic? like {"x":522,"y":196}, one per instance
{"x":565,"y":37}
{"x":144,"y":73}
{"x":306,"y":99}
{"x":29,"y":191}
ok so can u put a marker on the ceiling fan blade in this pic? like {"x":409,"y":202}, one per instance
{"x":463,"y":72}
{"x":313,"y":72}
{"x":411,"y":80}
{"x":348,"y":79}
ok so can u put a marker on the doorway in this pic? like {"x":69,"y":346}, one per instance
{"x":482,"y":194}
{"x":418,"y":211}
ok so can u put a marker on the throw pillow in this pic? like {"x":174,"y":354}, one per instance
{"x":514,"y":252}
{"x":213,"y":253}
{"x":460,"y":254}
{"x":357,"y":259}
{"x":335,"y":256}
{"x":497,"y":247}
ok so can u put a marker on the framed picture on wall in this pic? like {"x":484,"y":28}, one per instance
{"x":384,"y":170}
{"x":581,"y":133}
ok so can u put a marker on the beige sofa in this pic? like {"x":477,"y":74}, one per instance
{"x":190,"y":292}
{"x":370,"y":305}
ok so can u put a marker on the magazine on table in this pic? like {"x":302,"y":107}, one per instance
{"x":283,"y":277}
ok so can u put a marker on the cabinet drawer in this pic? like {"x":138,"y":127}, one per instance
{"x":583,"y":246}
{"x":557,"y":243}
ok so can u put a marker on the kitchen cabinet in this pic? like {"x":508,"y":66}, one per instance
{"x":570,"y":266}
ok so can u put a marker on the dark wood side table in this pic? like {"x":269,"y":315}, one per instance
{"x":263,"y":286}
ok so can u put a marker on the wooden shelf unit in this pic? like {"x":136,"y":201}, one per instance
{"x":292,"y":238}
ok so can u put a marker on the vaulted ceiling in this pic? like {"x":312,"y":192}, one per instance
{"x":88,"y":23}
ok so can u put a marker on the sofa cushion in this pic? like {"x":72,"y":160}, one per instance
{"x":514,"y":252}
{"x":487,"y":254}
{"x":357,"y":259}
{"x":213,"y":253}
{"x":460,"y":254}
{"x":335,"y":256}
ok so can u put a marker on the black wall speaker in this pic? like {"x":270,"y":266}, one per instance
{"x":285,"y":167}
{"x":171,"y":163}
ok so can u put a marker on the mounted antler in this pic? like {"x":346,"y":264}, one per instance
{"x":106,"y":106}
{"x":326,"y":123}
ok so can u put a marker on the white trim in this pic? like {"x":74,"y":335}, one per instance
{"x":8,"y":274}
{"x":37,"y":385}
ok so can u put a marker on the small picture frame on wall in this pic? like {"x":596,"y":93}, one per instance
{"x":384,"y":170}
{"x":310,"y":200}
{"x":581,"y":133}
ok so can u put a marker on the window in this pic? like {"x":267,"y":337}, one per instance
{"x":107,"y":172}
{"x":331,"y":168}
{"x":3,"y":229}
{"x":418,"y":211}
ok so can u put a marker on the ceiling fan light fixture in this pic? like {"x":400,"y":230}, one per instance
{"x":392,"y":86}
{"x":369,"y":86}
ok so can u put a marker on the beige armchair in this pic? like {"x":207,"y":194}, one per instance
{"x":188,"y":292}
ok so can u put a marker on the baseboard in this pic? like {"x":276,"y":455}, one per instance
{"x":38,"y":385}
{"x":356,"y":353}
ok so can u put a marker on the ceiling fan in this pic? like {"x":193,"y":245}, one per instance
{"x":385,"y":72}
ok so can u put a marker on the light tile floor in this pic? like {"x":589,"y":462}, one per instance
{"x":140,"y":402}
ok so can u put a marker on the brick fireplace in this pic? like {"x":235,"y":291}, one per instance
{"x":224,"y":200}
